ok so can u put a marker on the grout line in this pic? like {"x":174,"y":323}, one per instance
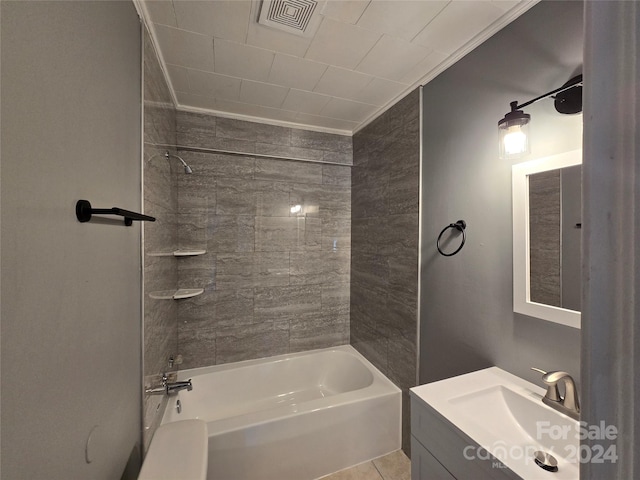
{"x":427,"y":25}
{"x":355,"y":68}
{"x":213,"y":55}
{"x":378,"y":470}
{"x":362,"y":14}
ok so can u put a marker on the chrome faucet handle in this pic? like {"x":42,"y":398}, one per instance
{"x":160,"y":389}
{"x":554,"y":377}
{"x":551,"y":380}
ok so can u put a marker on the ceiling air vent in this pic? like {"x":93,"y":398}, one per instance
{"x":299,"y":17}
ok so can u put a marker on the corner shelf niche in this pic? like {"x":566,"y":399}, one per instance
{"x":178,"y":253}
{"x":176,"y":294}
{"x":180,"y":293}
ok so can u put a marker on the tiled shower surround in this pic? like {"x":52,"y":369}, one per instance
{"x":277,"y":235}
{"x":281,"y":272}
{"x":384,"y":263}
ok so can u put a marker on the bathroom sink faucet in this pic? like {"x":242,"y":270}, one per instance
{"x":168,"y":387}
{"x":569,"y":404}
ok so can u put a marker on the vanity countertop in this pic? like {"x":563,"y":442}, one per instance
{"x":504,"y":414}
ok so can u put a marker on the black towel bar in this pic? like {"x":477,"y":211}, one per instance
{"x":84,"y":212}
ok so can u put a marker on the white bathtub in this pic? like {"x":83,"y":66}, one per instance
{"x":292,"y":417}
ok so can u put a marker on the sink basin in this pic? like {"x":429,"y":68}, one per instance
{"x":505,"y":415}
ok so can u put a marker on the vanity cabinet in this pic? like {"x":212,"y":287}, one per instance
{"x":440,"y":451}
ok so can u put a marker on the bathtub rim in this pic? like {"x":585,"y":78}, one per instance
{"x":378,"y":376}
{"x":380,"y":388}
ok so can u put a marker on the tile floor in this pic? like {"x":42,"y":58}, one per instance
{"x":394,"y":466}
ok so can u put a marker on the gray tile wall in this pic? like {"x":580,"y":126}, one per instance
{"x":275,"y":281}
{"x":205,"y":131}
{"x":384,"y":244}
{"x":544,"y":237}
{"x":161,"y":201}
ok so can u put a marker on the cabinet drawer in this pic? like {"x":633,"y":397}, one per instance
{"x":424,"y":466}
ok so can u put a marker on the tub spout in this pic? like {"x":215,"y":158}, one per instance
{"x":169,"y":387}
{"x":177,"y":386}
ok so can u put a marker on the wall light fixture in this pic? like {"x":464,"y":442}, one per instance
{"x":514,"y":127}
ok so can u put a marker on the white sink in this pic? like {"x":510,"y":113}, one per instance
{"x":505,"y":415}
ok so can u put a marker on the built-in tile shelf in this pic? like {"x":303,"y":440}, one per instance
{"x":178,"y":253}
{"x":188,"y":253}
{"x":176,"y":294}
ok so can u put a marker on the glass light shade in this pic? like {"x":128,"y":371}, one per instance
{"x":514,"y":134}
{"x":514,"y":141}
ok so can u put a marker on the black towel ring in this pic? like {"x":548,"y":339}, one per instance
{"x":460,"y":225}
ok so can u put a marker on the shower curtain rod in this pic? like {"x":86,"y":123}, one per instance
{"x":243,"y":154}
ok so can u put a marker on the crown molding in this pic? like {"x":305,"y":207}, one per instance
{"x":471,"y":45}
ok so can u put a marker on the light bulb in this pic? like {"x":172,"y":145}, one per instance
{"x":515,"y":141}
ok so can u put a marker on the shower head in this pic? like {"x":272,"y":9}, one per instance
{"x":187,"y":168}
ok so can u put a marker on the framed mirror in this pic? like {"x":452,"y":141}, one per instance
{"x":546,"y":238}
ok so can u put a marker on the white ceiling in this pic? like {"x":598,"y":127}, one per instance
{"x":365,"y":55}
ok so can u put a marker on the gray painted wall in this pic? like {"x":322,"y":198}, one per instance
{"x":70,"y":291}
{"x":467,"y":320}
